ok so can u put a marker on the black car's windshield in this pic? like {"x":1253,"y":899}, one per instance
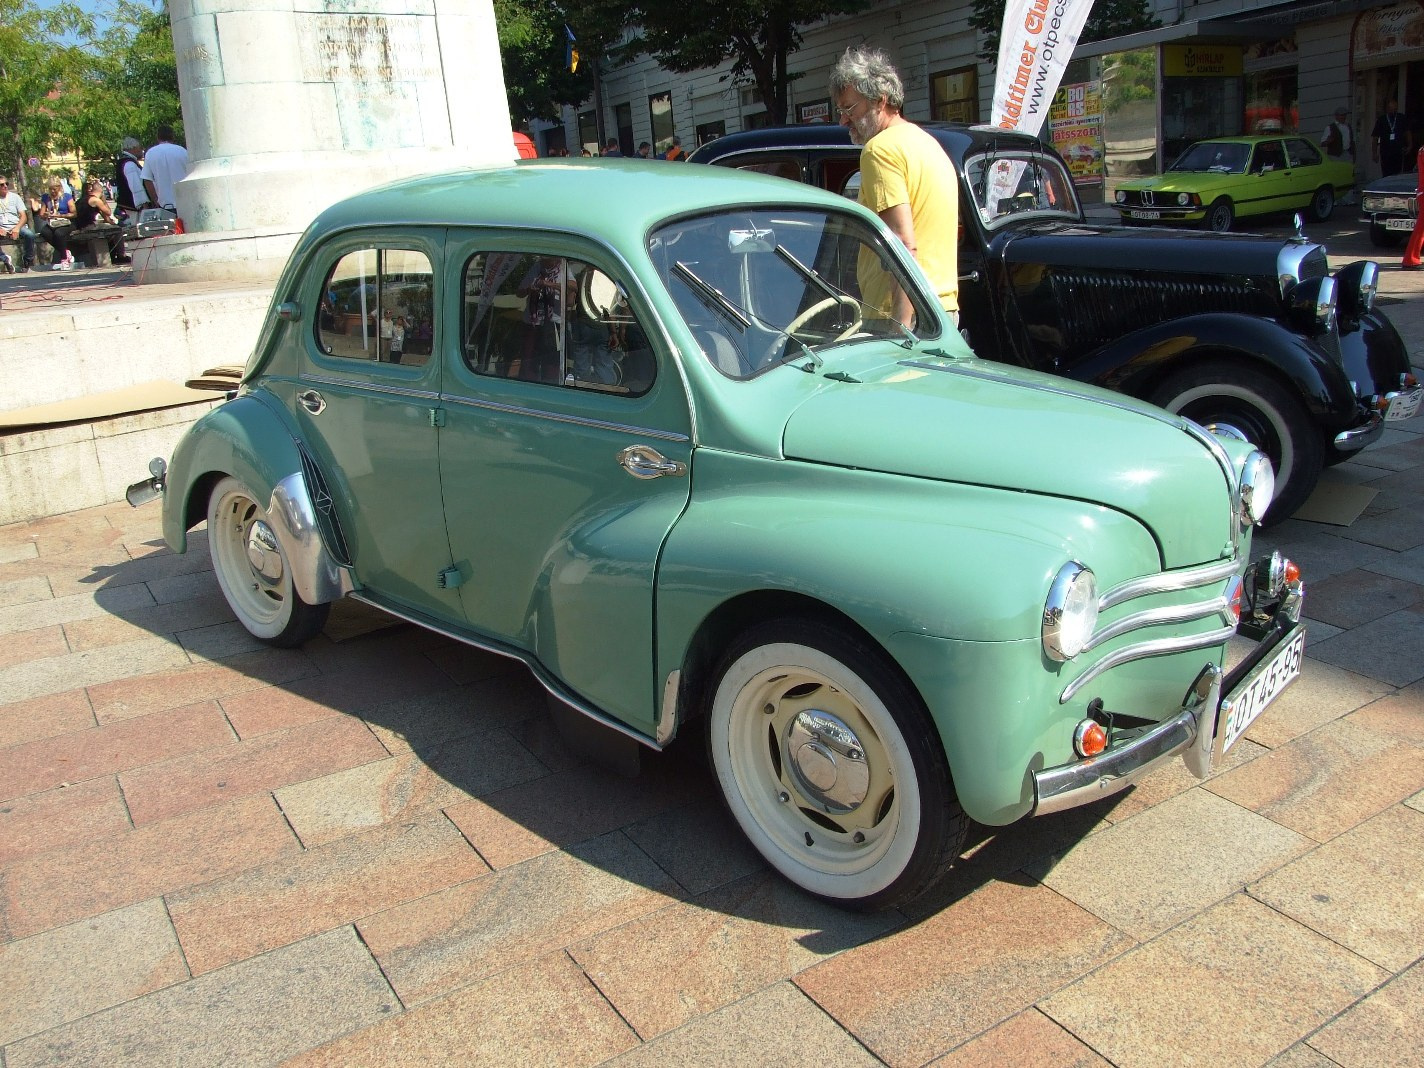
{"x":1018,"y":183}
{"x":1222,"y":157}
{"x":766,"y":287}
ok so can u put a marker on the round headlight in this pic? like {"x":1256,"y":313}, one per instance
{"x":1070,"y":613}
{"x":1258,"y":487}
{"x":1184,"y":199}
{"x":1121,"y":197}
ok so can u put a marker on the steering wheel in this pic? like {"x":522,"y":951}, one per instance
{"x":809,"y":314}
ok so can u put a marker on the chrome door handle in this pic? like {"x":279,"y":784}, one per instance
{"x":644,"y":461}
{"x":312,"y":401}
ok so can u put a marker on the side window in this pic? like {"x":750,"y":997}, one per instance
{"x":554,"y":320}
{"x":1269,"y":157}
{"x":1302,"y":153}
{"x":378,"y":305}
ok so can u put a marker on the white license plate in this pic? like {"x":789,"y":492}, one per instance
{"x":1242,"y":705}
{"x":1403,"y":407}
{"x":1399,"y":224}
{"x":1144,"y":215}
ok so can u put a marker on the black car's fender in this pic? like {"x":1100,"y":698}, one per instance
{"x":1138,"y":362}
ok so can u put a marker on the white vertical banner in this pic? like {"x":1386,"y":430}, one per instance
{"x":1035,"y":44}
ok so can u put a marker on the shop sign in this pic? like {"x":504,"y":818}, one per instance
{"x":820,"y":111}
{"x":1388,"y":31}
{"x":1076,"y":124}
{"x":1201,"y":61}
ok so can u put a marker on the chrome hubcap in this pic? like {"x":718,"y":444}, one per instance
{"x":262,"y":553}
{"x":827,"y":760}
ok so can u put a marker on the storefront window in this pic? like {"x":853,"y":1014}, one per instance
{"x":1129,"y":102}
{"x":1271,"y":102}
{"x":1201,"y":88}
{"x":588,"y":132}
{"x":955,"y":95}
{"x":660,"y":116}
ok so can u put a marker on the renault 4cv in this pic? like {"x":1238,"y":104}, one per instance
{"x":641,"y":434}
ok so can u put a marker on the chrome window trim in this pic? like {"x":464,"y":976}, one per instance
{"x":1141,"y":651}
{"x":564,"y":417}
{"x":371,"y":387}
{"x":1168,"y":582}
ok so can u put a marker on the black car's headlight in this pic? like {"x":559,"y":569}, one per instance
{"x":1070,"y":614}
{"x":1355,"y":287}
{"x":1312,"y":304}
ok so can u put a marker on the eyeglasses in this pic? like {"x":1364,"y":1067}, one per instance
{"x":844,"y":113}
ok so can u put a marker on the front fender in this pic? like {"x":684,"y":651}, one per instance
{"x":1137,"y":363}
{"x":1373,"y":353}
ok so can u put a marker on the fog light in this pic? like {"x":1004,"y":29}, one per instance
{"x":1089,"y":738}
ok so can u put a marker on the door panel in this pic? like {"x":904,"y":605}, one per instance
{"x":557,"y":541}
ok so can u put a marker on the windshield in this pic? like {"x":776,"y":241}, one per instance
{"x":766,"y":287}
{"x":1010,"y":184}
{"x":1221,"y":157}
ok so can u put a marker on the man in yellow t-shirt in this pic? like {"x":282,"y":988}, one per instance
{"x":905,"y":177}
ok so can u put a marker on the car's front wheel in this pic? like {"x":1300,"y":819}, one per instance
{"x":1322,"y":204}
{"x":253,"y":569}
{"x":829,"y":762}
{"x":1260,"y":409}
{"x":1219,"y":216}
{"x":1382,"y":238}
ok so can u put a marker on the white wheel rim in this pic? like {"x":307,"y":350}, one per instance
{"x":258,"y":587}
{"x":1269,"y":413}
{"x":841,"y":852}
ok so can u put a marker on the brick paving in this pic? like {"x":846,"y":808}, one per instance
{"x":375,"y":850}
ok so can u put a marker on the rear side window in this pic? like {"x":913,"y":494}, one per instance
{"x":1302,"y":153}
{"x":378,"y":305}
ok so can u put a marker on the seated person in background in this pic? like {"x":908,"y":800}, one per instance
{"x":92,"y":209}
{"x":14,"y":224}
{"x":56,"y":217}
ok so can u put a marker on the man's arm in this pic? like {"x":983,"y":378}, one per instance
{"x":151,"y":191}
{"x":902,"y":224}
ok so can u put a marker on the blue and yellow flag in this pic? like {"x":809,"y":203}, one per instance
{"x":572,"y":56}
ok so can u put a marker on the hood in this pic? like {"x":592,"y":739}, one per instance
{"x":986,"y":424}
{"x":1185,"y":181}
{"x":1177,"y":252}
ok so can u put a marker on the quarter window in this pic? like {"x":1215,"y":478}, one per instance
{"x":377,"y":305}
{"x":554,"y":320}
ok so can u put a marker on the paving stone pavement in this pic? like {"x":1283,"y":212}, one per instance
{"x":375,"y":850}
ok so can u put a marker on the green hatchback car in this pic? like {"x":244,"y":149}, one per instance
{"x":1215,"y":182}
{"x":632,"y":425}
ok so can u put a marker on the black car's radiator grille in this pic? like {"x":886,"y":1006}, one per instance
{"x":1095,"y":307}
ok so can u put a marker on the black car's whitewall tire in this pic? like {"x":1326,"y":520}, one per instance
{"x":1222,"y":394}
{"x":253,"y":569}
{"x":829,"y":762}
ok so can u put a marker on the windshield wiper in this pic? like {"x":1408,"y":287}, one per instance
{"x":712,"y":296}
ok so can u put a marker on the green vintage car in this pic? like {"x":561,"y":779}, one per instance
{"x":1215,"y":182}
{"x":632,"y":425}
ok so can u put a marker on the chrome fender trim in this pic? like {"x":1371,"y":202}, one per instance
{"x":316,"y":575}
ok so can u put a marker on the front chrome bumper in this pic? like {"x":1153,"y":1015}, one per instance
{"x":1193,"y":733}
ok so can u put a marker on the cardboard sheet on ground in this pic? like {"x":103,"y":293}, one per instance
{"x":1336,"y":501}
{"x":145,"y":397}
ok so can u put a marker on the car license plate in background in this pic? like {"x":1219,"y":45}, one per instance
{"x":1402,"y":407}
{"x":1242,"y":705}
{"x":1399,"y":224}
{"x":1145,"y":214}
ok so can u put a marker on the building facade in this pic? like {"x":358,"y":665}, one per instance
{"x":1126,"y":107}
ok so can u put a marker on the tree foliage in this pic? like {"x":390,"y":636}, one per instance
{"x":534,"y":49}
{"x":755,"y":36}
{"x":1107,"y":19}
{"x":73,"y":85}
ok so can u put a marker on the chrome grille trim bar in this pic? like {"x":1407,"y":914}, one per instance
{"x":1152,"y":617}
{"x":1143,"y":650}
{"x":1168,"y":582}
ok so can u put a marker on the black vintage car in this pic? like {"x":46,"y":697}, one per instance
{"x":1231,"y":330}
{"x":1390,"y":205}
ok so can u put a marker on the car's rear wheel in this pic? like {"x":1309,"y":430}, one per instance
{"x":1219,"y":216}
{"x":253,"y":570}
{"x":829,"y":762}
{"x":1382,"y":238}
{"x":1322,"y":204}
{"x":1223,"y":395}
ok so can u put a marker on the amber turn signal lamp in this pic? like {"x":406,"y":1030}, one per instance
{"x":1292,"y":571}
{"x":1089,"y":739}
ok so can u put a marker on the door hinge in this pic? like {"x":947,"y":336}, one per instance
{"x":449,"y":578}
{"x":437,"y":416}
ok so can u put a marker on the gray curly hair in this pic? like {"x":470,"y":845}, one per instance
{"x":869,"y":73}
